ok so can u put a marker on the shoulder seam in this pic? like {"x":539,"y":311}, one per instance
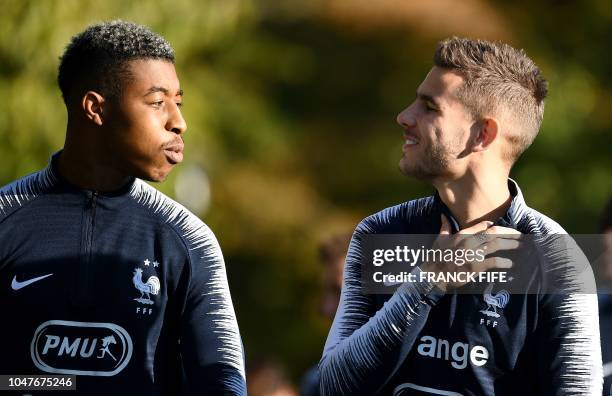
{"x":165,"y":224}
{"x":19,"y":209}
{"x":33,"y":198}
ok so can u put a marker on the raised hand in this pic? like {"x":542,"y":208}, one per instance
{"x":484,"y":235}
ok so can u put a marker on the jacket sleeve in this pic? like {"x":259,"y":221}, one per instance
{"x":365,"y":345}
{"x":211,"y":347}
{"x":569,"y":351}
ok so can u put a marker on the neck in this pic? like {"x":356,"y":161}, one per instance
{"x":474,"y":199}
{"x":83,"y":164}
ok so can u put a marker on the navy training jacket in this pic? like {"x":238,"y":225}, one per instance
{"x":126,"y":290}
{"x":420,"y":341}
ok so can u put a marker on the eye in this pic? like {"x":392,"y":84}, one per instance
{"x":429,"y":106}
{"x":158,"y":103}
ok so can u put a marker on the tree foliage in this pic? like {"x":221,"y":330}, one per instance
{"x":291,"y":115}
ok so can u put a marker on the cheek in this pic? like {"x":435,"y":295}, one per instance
{"x":432,"y":124}
{"x":450,"y":134}
{"x":145,"y":133}
{"x":461,"y":137}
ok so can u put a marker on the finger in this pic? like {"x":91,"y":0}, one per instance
{"x":490,"y":234}
{"x":501,"y":244}
{"x":499,"y":230}
{"x":463,"y":239}
{"x":476,"y":241}
{"x":445,"y":228}
{"x":476,"y":228}
{"x":493,"y":262}
{"x":468,"y":232}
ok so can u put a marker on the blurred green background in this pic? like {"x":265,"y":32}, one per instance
{"x":291,"y":111}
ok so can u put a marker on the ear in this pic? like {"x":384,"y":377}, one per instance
{"x":93,"y":105}
{"x":487,"y":133}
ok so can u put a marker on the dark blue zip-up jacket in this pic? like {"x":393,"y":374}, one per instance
{"x":419,"y":341}
{"x":127,"y":290}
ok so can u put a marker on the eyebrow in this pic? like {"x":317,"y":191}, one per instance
{"x":427,"y":98}
{"x":165,"y":91}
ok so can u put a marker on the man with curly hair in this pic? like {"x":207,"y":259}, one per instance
{"x":478,"y":109}
{"x":104,"y":277}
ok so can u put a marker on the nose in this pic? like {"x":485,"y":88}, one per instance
{"x":176,"y":123}
{"x":406,"y":118}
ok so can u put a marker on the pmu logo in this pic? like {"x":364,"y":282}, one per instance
{"x":81,"y":348}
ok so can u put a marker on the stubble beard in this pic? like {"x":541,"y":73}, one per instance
{"x":434,"y":163}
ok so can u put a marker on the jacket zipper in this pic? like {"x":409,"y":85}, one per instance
{"x":84,"y":294}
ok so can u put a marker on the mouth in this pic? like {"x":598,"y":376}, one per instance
{"x":174,"y":152}
{"x":410,"y":141}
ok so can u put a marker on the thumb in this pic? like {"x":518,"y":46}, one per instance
{"x":445,"y":228}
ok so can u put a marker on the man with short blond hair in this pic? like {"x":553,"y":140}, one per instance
{"x":499,"y":81}
{"x":478,"y":109}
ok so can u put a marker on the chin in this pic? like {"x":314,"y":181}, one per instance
{"x":155,"y":176}
{"x":416,"y":171}
{"x":408,"y":168}
{"x":159,"y":177}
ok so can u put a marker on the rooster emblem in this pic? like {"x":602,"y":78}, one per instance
{"x":494,"y":301}
{"x":152,"y":286}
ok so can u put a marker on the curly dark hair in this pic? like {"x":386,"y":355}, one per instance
{"x":96,"y":59}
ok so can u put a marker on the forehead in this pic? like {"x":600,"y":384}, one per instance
{"x":147,"y":73}
{"x":441,"y":84}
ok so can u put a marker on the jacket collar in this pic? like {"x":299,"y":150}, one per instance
{"x":59,"y":181}
{"x":510,"y":219}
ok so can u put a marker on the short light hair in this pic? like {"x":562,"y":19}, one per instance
{"x":500,"y":81}
{"x":96,"y":59}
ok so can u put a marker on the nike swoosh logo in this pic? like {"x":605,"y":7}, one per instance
{"x":15,"y":285}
